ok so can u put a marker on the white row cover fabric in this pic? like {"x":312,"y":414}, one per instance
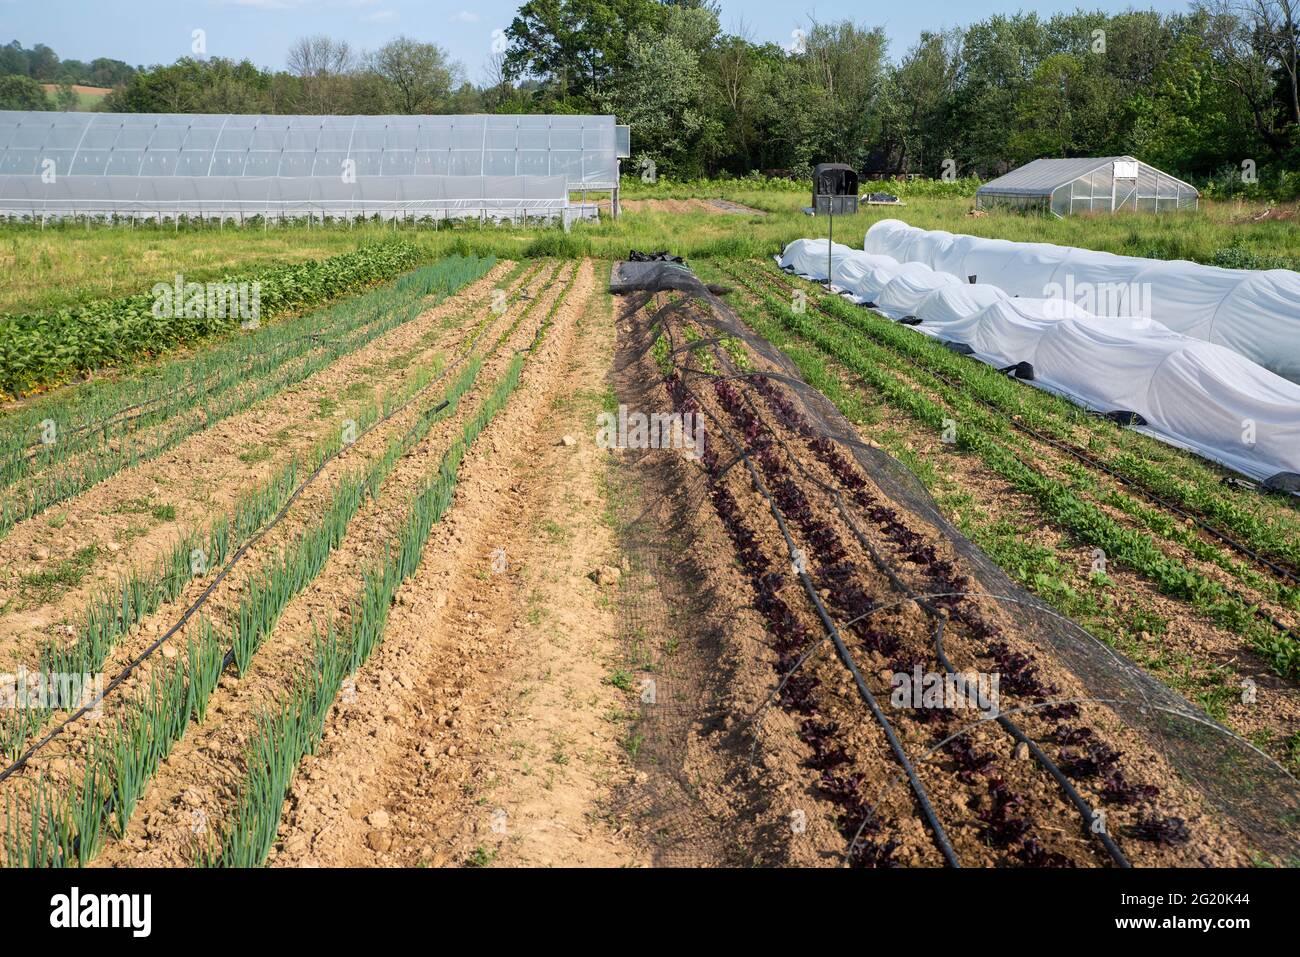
{"x":583,"y":149}
{"x":284,"y":197}
{"x":1256,"y":313}
{"x":1193,"y":394}
{"x":854,"y":274}
{"x":806,"y":256}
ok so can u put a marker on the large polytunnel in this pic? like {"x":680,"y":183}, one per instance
{"x":107,"y":164}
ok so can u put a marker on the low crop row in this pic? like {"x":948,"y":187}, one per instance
{"x":1095,"y":763}
{"x":46,"y":348}
{"x":791,"y":641}
{"x":1084,"y":481}
{"x":363,"y":321}
{"x":1006,"y":819}
{"x":73,"y":421}
{"x":113,"y":612}
{"x":294,"y":727}
{"x":381,"y":312}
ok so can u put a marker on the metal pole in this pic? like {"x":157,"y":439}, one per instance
{"x":830,"y":240}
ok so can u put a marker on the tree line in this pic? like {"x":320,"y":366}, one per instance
{"x":1210,"y":93}
{"x":26,"y":74}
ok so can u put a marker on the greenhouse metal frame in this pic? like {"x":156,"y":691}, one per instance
{"x":517,"y":199}
{"x":1108,"y":184}
{"x":128,"y":165}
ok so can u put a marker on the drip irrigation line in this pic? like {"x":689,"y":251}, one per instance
{"x":1081,"y":804}
{"x":940,"y":835}
{"x":1072,"y":450}
{"x":842,"y":651}
{"x":190,"y":611}
{"x":931,"y":611}
{"x":939,"y":619}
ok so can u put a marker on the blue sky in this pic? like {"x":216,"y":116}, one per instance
{"x":154,"y":31}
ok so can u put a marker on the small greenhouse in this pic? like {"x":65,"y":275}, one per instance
{"x":1106,"y":184}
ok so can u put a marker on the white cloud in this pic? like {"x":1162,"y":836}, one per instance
{"x":464,"y":16}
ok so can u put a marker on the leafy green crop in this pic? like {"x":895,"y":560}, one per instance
{"x":46,"y":348}
{"x":1001,"y":452}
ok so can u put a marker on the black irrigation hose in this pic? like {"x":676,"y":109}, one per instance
{"x":1077,"y":453}
{"x":931,"y":611}
{"x":845,"y":656}
{"x":935,"y":615}
{"x":189,"y":612}
{"x":1077,"y":799}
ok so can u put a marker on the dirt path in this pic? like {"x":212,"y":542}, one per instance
{"x":478,"y":733}
{"x":719,"y":207}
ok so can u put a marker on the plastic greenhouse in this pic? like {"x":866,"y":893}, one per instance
{"x":139,"y":165}
{"x":1107,"y":184}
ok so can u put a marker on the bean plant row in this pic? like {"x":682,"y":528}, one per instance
{"x":44,"y":349}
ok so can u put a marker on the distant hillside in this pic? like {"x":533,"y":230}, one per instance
{"x":88,"y":97}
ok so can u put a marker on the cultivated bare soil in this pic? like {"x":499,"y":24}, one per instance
{"x":609,"y":657}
